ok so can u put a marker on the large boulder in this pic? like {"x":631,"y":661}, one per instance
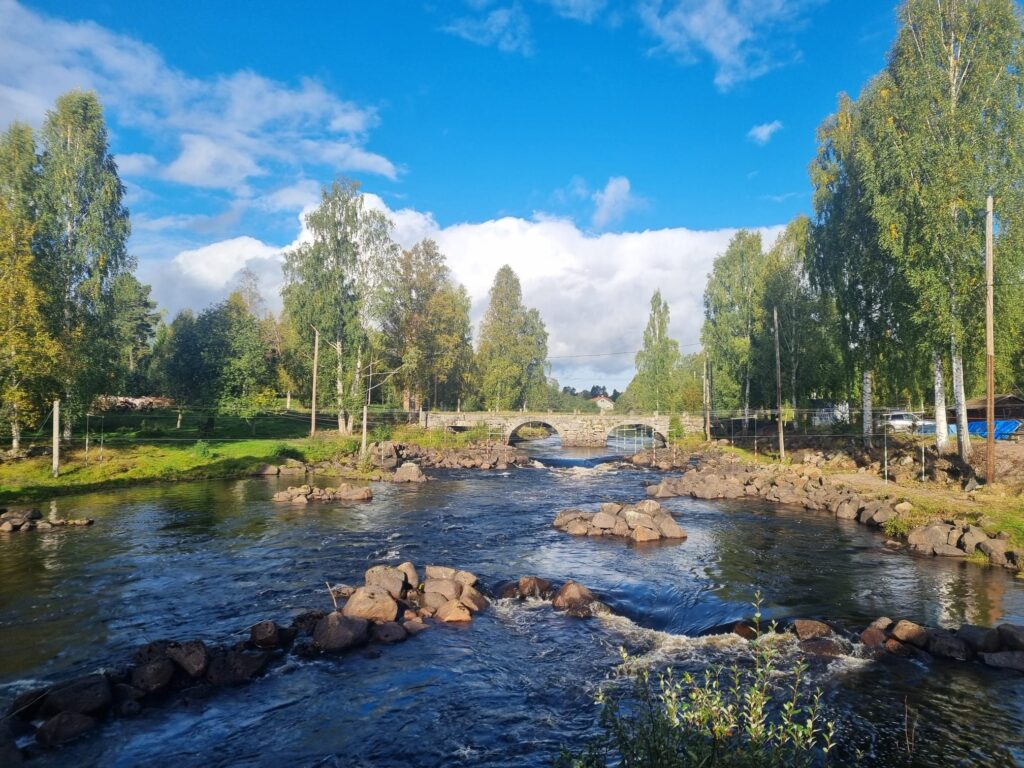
{"x":412,"y":577}
{"x":388,"y":633}
{"x":473,"y":599}
{"x":979,"y":639}
{"x":453,"y":612}
{"x":669,"y":528}
{"x":371,"y":603}
{"x":440,"y":572}
{"x":574,"y":598}
{"x":388,"y":578}
{"x":927,"y":537}
{"x":809,"y":629}
{"x":154,"y":676}
{"x":88,"y":695}
{"x":336,"y":632}
{"x":192,"y":656}
{"x":637,"y":519}
{"x":566,"y":516}
{"x":532,"y":586}
{"x":64,"y":727}
{"x":236,"y":667}
{"x":642,"y":533}
{"x":1005,"y":660}
{"x":450,"y":588}
{"x":971,"y":538}
{"x":1011,"y":636}
{"x":603,"y":520}
{"x":409,"y":473}
{"x":909,"y":632}
{"x":948,"y":646}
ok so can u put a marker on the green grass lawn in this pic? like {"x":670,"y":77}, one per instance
{"x":131,"y":448}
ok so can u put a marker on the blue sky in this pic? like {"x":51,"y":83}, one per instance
{"x":603,"y":147}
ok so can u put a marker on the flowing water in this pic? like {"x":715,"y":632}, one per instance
{"x":209,"y":559}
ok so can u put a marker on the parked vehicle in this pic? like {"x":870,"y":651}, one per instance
{"x":904,"y":421}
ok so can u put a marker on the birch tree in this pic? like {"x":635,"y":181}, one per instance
{"x":945,"y":128}
{"x":81,"y":241}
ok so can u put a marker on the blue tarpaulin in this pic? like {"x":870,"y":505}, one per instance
{"x":1004,"y":428}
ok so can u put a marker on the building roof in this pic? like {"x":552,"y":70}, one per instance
{"x":1008,"y":399}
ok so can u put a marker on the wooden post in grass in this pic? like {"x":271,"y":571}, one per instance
{"x":990,"y":354}
{"x":362,"y":449}
{"x":56,"y":438}
{"x":316,"y":364}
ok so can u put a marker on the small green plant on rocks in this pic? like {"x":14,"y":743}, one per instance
{"x":728,"y":716}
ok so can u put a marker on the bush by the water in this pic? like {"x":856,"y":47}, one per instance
{"x":729,"y":716}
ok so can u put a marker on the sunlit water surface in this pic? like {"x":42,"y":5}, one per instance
{"x":209,"y":559}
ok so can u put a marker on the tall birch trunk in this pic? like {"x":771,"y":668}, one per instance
{"x":15,"y":432}
{"x":963,"y":439}
{"x":941,"y":427}
{"x":866,"y":403}
{"x":746,"y":398}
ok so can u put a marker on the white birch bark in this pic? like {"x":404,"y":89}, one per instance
{"x":866,"y":406}
{"x":963,"y":439}
{"x":941,"y":427}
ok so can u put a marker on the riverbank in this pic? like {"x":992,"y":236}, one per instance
{"x":941,"y":529}
{"x":29,"y":479}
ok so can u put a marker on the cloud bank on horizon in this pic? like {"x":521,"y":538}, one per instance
{"x":592,"y":289}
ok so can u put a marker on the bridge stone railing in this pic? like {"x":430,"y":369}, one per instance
{"x":577,"y":430}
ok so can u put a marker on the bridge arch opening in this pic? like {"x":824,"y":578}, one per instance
{"x":632,"y":438}
{"x":534,"y":431}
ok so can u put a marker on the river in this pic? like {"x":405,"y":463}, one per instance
{"x":209,"y":559}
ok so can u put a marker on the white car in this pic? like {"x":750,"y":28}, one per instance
{"x":904,"y":421}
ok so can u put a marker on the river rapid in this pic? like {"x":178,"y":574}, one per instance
{"x":207,"y":560}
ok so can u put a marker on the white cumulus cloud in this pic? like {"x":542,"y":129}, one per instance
{"x":612,"y":203}
{"x":507,"y":29}
{"x":592,"y":289}
{"x":744,"y":38}
{"x":230,"y":127}
{"x":762,"y":134}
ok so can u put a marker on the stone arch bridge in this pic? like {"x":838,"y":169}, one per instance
{"x":576,"y":430}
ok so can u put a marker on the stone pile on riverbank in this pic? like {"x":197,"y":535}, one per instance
{"x":641,"y":522}
{"x":1001,"y":647}
{"x":305,"y":494}
{"x":391,"y":605}
{"x":32,"y":520}
{"x":806,"y":486}
{"x":388,"y":456}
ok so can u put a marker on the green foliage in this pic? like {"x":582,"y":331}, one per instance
{"x":425,"y":329}
{"x":513,"y":350}
{"x":651,"y":388}
{"x":81,"y":245}
{"x":732,"y":318}
{"x":202,"y":449}
{"x":728,"y":716}
{"x":896,"y":527}
{"x":329,"y":282}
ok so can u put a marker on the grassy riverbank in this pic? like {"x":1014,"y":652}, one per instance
{"x":129,"y":449}
{"x":999,"y":508}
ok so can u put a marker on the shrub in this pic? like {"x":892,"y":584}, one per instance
{"x":202,"y":449}
{"x":896,"y":527}
{"x":728,"y":716}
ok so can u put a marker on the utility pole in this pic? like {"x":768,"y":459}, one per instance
{"x":56,"y":438}
{"x":778,"y":384}
{"x":316,"y":363}
{"x":990,"y":354}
